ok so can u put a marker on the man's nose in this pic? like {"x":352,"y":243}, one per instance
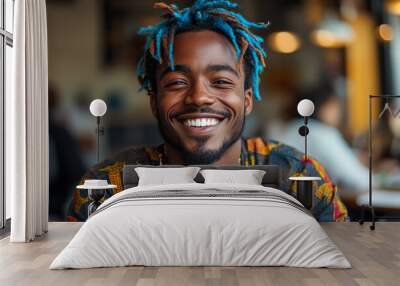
{"x":199,"y":95}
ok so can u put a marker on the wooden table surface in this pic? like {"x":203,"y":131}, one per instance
{"x":374,"y":255}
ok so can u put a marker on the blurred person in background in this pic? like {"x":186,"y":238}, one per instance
{"x":65,"y":161}
{"x":82,"y":125}
{"x":325,"y":142}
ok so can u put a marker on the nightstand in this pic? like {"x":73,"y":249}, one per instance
{"x":305,"y":190}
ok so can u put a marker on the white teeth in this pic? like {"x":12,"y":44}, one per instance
{"x":201,"y":122}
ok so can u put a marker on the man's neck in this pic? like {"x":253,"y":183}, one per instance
{"x":230,"y":157}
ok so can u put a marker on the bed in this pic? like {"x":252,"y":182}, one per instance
{"x":201,"y":224}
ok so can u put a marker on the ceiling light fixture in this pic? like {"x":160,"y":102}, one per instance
{"x":284,"y":42}
{"x":332,"y":32}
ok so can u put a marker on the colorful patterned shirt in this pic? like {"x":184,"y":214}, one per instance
{"x":255,"y":151}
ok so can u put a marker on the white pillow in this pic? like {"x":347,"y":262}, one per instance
{"x":248,"y":177}
{"x":163,"y":176}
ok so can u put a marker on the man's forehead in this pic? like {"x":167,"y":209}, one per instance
{"x":203,"y":48}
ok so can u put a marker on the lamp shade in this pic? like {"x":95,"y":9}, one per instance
{"x":98,"y":107}
{"x":305,"y":107}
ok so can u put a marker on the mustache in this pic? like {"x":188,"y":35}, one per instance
{"x":193,"y":109}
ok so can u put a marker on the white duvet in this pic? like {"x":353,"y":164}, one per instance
{"x":201,"y":224}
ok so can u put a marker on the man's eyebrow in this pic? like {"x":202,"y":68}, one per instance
{"x":178,"y":68}
{"x":222,"y":67}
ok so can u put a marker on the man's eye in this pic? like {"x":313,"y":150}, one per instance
{"x":176,"y":83}
{"x":222,"y":82}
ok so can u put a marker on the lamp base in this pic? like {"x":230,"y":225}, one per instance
{"x":305,"y":193}
{"x":362,"y":219}
{"x":95,"y":195}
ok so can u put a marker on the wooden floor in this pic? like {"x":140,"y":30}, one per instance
{"x":374,"y":255}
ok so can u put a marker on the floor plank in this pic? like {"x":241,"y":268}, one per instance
{"x":374,"y":255}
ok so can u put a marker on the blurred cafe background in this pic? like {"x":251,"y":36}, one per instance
{"x":334,"y":52}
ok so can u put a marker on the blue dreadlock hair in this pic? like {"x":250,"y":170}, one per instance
{"x":203,"y":14}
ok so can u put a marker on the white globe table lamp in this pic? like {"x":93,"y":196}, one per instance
{"x":96,"y":188}
{"x":98,"y":108}
{"x":304,"y":184}
{"x":305,"y":108}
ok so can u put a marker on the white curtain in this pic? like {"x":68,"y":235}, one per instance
{"x":27,"y":124}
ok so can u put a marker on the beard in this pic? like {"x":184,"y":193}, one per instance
{"x":201,"y":155}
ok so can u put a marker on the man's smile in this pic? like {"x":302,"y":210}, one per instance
{"x":200,"y":123}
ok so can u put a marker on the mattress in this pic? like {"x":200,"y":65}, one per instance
{"x":201,"y":225}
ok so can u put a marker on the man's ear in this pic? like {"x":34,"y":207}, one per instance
{"x":153,"y":103}
{"x":248,"y":101}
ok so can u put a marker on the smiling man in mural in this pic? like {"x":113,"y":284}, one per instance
{"x":201,"y":69}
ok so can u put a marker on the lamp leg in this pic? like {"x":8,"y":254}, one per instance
{"x":98,"y":138}
{"x":362,"y":218}
{"x":305,"y":137}
{"x":373,"y":218}
{"x":372,"y":226}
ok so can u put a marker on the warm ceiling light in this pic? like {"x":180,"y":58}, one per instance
{"x":385,"y":32}
{"x":284,"y":42}
{"x":393,"y":7}
{"x":332,"y":32}
{"x":326,"y":39}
